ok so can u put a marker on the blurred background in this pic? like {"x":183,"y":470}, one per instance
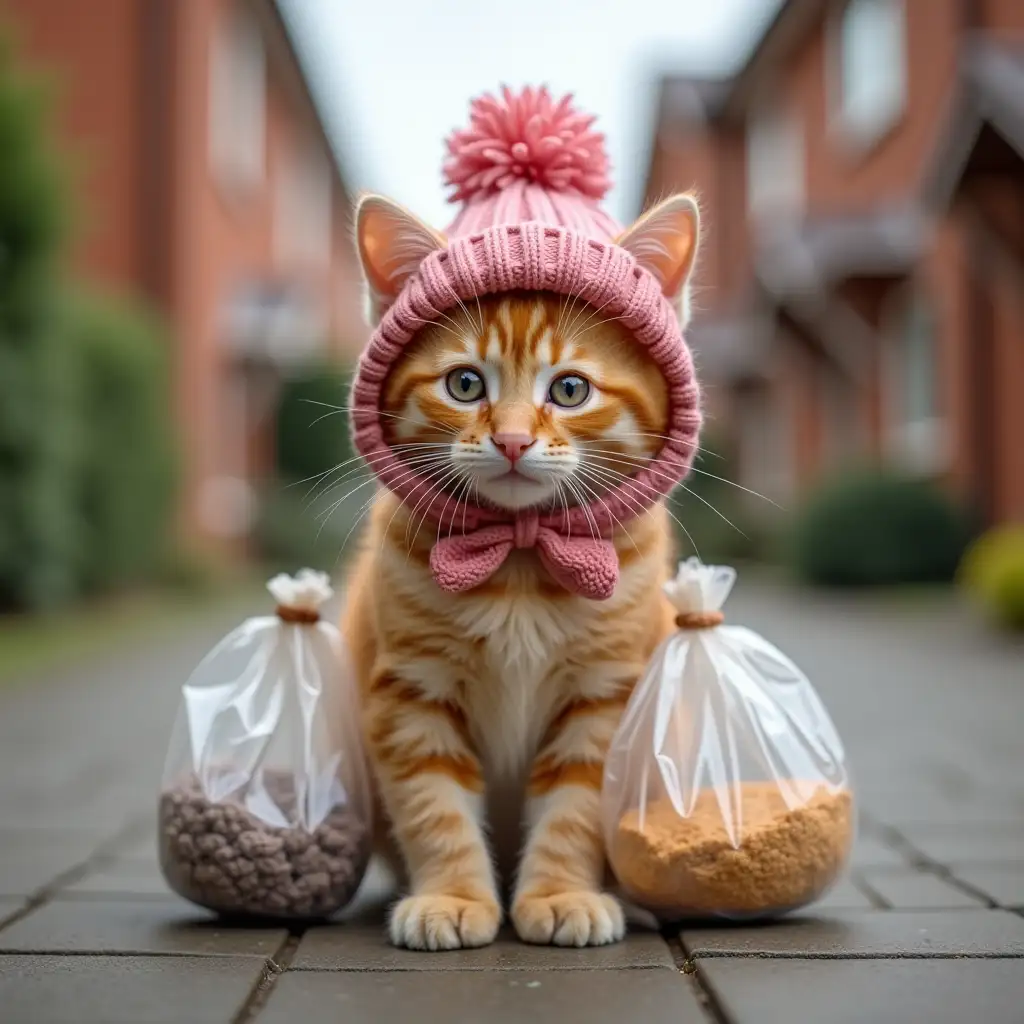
{"x":180,"y":305}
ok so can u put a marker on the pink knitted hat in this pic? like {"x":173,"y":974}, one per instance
{"x":530,"y":173}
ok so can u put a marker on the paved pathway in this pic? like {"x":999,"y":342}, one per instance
{"x":929,"y":927}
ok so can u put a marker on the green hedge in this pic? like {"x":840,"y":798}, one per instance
{"x":39,"y":528}
{"x":126,"y":466}
{"x":85,"y":466}
{"x":297,"y":525}
{"x":707,"y":499}
{"x":878,"y":528}
{"x":312,"y":431}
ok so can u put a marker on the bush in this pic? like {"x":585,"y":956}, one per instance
{"x":879,"y":528}
{"x":296,"y":529}
{"x":38,"y":524}
{"x":85,"y":469}
{"x":993,"y":571}
{"x":297,"y":526}
{"x":707,"y":500}
{"x":126,"y":468}
{"x":312,"y":428}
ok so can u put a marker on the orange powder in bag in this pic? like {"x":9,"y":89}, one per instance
{"x":783,"y":856}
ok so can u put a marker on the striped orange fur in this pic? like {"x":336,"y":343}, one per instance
{"x":490,"y":712}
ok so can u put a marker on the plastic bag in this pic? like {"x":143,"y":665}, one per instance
{"x":265,"y":807}
{"x":726,"y":793}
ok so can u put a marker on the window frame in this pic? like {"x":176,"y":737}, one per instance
{"x":859,"y":134}
{"x":775,"y":203}
{"x":237,"y":124}
{"x":918,"y":443}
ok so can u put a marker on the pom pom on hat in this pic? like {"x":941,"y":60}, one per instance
{"x":526,"y":136}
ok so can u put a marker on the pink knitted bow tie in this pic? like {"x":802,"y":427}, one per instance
{"x":584,"y":565}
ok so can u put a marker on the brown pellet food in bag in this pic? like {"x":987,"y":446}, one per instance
{"x":783,"y":856}
{"x":223,"y":857}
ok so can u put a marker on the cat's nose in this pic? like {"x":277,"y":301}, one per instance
{"x":513,"y":445}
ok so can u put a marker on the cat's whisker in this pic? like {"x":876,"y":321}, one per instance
{"x":367,"y":460}
{"x":478,"y":328}
{"x":584,"y":312}
{"x":586,"y":328}
{"x":720,"y":515}
{"x":452,"y":491}
{"x":428,"y":473}
{"x":447,"y":472}
{"x":399,"y":505}
{"x":588,"y":325}
{"x":326,"y":514}
{"x":625,"y":481}
{"x":693,"y":469}
{"x":609,"y":485}
{"x":581,"y":478}
{"x":419,"y":460}
{"x":693,"y":445}
{"x":437,"y":488}
{"x":461,"y":494}
{"x":585,"y":505}
{"x":443,"y":327}
{"x":433,"y":424}
{"x":564,"y":307}
{"x":367,"y":505}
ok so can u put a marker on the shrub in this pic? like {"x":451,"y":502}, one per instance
{"x":126,"y":467}
{"x":993,"y":571}
{"x":38,"y":525}
{"x":312,"y":430}
{"x":296,"y":529}
{"x":297,"y":525}
{"x":878,"y":528}
{"x":709,"y":498}
{"x":85,"y":468}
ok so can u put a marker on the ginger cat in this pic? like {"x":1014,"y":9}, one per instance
{"x":487,"y":714}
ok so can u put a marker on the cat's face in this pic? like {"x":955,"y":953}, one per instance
{"x":525,"y":400}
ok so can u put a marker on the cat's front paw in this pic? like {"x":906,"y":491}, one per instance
{"x":444,"y":922}
{"x":569,"y":919}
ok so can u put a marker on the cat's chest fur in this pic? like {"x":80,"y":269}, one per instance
{"x":519,"y":637}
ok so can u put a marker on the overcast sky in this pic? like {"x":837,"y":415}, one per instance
{"x":395,"y":76}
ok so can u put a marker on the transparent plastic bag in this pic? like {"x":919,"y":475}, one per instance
{"x":265,"y":806}
{"x":726,"y":793}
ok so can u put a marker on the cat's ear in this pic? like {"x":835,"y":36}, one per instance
{"x":664,"y":241}
{"x":391,"y":243}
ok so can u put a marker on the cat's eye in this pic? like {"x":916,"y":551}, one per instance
{"x":569,"y":391}
{"x":465,"y":385}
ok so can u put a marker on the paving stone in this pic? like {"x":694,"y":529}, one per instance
{"x":358,"y":941}
{"x":1003,"y":883}
{"x":498,"y":997}
{"x":364,"y":947}
{"x":964,"y":845}
{"x":129,"y":875}
{"x":844,"y":896}
{"x":869,"y":852}
{"x":125,"y":989}
{"x":8,"y":906}
{"x":755,"y":991}
{"x":970,"y":933}
{"x":33,"y":858}
{"x":79,"y":926}
{"x":918,"y":890}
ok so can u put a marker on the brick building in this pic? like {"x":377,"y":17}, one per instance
{"x":206,"y":183}
{"x":861,"y":291}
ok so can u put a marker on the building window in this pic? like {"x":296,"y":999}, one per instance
{"x":775,"y":166}
{"x":302,"y":208}
{"x":871,"y":63}
{"x":911,"y":387}
{"x":238,"y":102}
